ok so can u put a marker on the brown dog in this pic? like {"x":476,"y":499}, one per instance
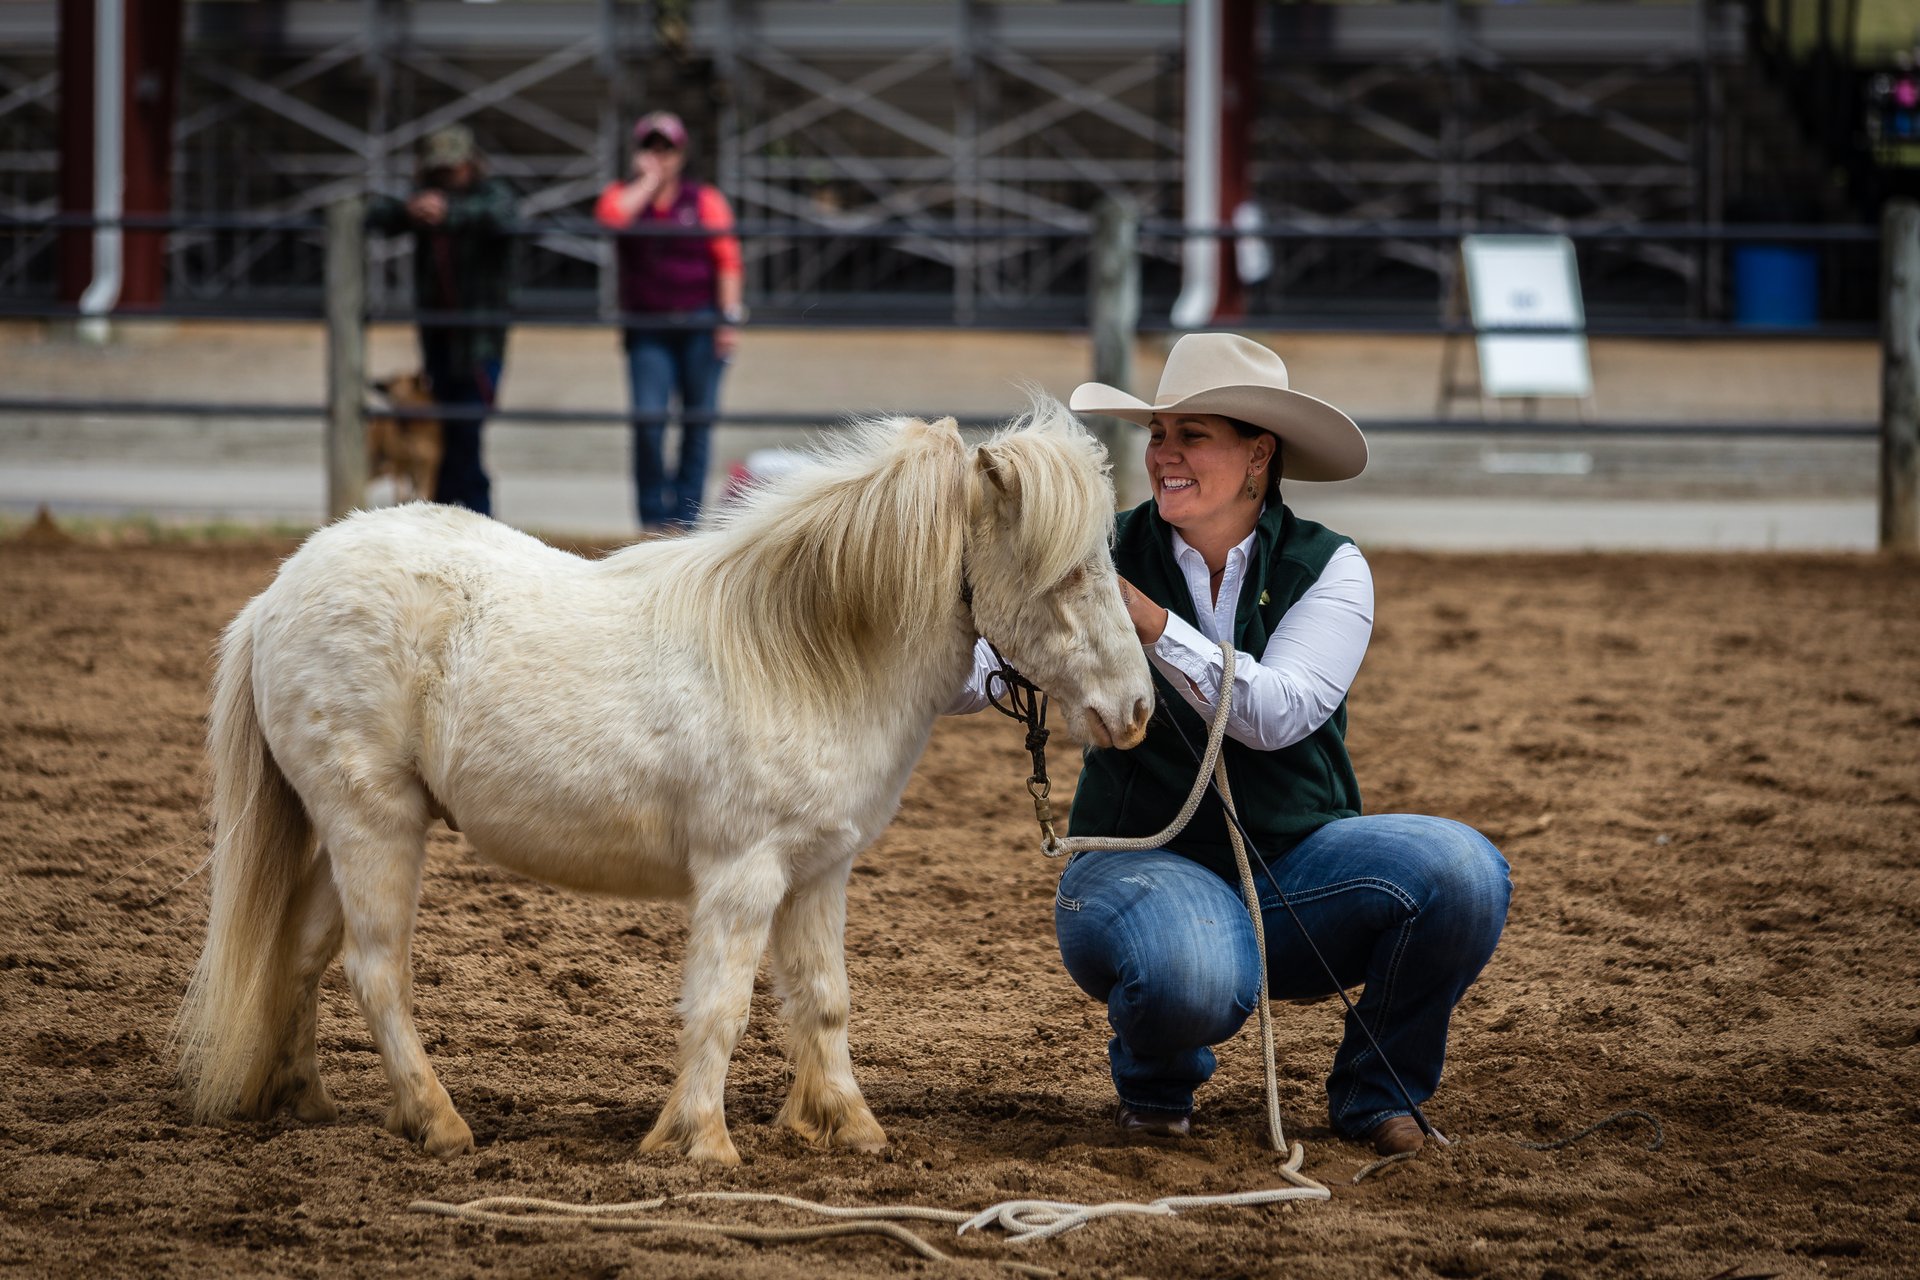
{"x":406,"y":449}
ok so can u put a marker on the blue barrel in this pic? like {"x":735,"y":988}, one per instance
{"x":1776,"y":286}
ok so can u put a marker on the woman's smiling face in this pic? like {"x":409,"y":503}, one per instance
{"x":1198,"y":464}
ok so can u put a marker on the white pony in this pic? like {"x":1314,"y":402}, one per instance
{"x":727,"y":717}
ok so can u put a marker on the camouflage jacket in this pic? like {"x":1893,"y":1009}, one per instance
{"x":464,"y":264}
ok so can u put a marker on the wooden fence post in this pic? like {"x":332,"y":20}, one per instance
{"x":1900,"y":379}
{"x":346,"y":356}
{"x":1114,"y":319}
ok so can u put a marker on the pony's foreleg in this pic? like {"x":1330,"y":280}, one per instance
{"x":377,"y":871}
{"x":824,"y":1105}
{"x":727,"y":931}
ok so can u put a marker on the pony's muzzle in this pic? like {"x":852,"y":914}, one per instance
{"x":1096,"y":728}
{"x":1101,"y":734}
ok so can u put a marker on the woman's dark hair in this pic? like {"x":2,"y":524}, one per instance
{"x":1250,"y":432}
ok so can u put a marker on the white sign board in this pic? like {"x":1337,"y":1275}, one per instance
{"x":1519,"y":282}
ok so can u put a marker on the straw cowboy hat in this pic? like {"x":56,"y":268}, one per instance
{"x":1236,"y":377}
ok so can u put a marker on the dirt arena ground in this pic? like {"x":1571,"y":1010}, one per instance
{"x":1706,"y":773}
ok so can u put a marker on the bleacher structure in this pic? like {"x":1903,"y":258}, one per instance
{"x":1007,"y":121}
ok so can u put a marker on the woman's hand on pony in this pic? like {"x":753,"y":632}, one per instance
{"x":1149,"y":619}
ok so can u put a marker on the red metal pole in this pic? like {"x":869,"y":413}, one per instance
{"x":1239,"y":103}
{"x":153,"y":76}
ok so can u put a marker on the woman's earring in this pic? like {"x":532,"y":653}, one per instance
{"x":1253,"y":484}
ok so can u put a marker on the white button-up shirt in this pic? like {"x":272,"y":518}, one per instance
{"x":1298,"y":680}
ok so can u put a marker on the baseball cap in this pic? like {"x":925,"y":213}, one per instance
{"x":447,"y":147}
{"x":664,"y":123}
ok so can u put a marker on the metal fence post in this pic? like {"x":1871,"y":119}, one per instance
{"x":1114,"y":319}
{"x":1900,"y":379}
{"x":346,"y":356}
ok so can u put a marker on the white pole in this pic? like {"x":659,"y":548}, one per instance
{"x":109,"y":72}
{"x":1200,"y":256}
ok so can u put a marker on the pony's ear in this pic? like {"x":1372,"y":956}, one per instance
{"x":995,"y":470}
{"x":939,"y":429}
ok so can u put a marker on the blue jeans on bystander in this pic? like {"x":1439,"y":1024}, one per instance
{"x":662,"y":364}
{"x":1410,"y":906}
{"x":462,"y":479}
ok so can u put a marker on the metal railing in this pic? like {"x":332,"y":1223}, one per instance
{"x":1850,"y":250}
{"x":1111,"y":309}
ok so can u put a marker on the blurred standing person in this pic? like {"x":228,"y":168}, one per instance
{"x":691,"y":282}
{"x":461,"y":221}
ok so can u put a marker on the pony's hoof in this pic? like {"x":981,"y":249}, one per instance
{"x":710,"y":1151}
{"x":861,"y":1133}
{"x":852,"y":1130}
{"x":709,"y":1145}
{"x":303,"y":1095}
{"x":443,"y":1135}
{"x":316,"y":1106}
{"x":447,"y":1136}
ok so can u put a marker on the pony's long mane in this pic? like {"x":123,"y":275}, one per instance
{"x":1065,"y":499}
{"x":813,"y":573}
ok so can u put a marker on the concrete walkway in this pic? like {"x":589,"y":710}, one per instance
{"x":1460,"y":490}
{"x":600,"y":505}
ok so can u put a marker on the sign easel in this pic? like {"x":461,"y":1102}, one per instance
{"x":1507,"y":283}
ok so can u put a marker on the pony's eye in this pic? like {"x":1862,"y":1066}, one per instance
{"x":1075,"y":576}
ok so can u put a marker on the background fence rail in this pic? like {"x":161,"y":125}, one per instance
{"x":1112,"y":311}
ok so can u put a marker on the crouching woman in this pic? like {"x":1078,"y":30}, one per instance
{"x":1410,"y":907}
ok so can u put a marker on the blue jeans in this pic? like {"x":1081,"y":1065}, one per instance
{"x":1411,"y":906}
{"x":661,"y":364}
{"x":462,"y":479}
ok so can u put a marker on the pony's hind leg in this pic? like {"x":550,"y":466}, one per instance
{"x":824,"y":1105}
{"x":313,"y":925}
{"x":732,"y":912}
{"x":377,"y":870}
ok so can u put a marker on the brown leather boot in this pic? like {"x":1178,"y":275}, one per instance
{"x":1397,"y":1134}
{"x":1153,"y":1124}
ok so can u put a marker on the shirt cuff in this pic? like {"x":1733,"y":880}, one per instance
{"x":1184,"y":648}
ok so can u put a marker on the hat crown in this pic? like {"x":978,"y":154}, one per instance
{"x":1238,"y":378}
{"x":664,"y":123}
{"x":1203,"y":362}
{"x":448,"y":146}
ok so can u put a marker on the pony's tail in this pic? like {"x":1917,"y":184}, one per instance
{"x":240,"y":1001}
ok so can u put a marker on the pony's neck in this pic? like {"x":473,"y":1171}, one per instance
{"x":844,"y":590}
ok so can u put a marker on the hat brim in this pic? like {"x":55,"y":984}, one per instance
{"x":1319,"y":441}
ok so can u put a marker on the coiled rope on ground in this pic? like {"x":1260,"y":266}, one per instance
{"x":1023,"y":1221}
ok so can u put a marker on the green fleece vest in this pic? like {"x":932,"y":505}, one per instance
{"x":1283,"y":796}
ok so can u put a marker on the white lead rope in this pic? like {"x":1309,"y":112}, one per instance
{"x":1025,"y":1220}
{"x":1212,"y":766}
{"x":1022,"y":1220}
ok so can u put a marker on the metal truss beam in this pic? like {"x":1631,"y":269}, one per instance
{"x":866,"y":89}
{"x":979,"y":113}
{"x":220,"y":110}
{"x":1069,"y":96}
{"x":26,"y":92}
{"x":1574,"y":102}
{"x":478,"y":89}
